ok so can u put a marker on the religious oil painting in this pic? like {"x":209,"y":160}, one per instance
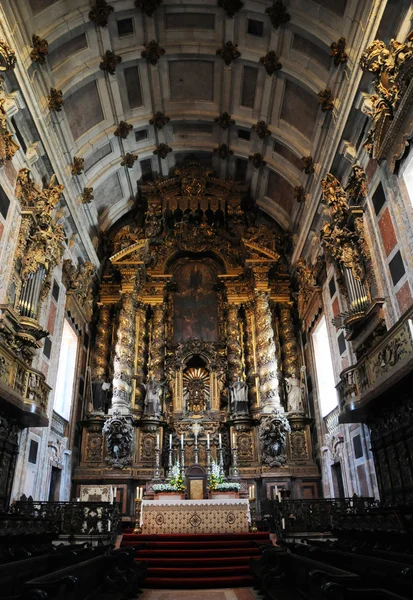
{"x":195,"y":302}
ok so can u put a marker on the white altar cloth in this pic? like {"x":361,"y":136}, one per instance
{"x":195,"y":516}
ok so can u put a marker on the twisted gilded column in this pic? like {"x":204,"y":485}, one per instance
{"x":250,"y":354}
{"x":141,"y":353}
{"x":289,"y":342}
{"x":266,"y":355}
{"x":234,"y":351}
{"x":157,"y":347}
{"x":102,"y":342}
{"x":123,"y":363}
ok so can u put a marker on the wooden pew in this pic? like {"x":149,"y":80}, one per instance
{"x":402,"y":557}
{"x":373,"y":570}
{"x":112,"y":576}
{"x":286,"y":575}
{"x":340,"y":592}
{"x":13,"y":575}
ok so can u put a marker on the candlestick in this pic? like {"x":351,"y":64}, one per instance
{"x":138,"y":512}
{"x":209,"y":461}
{"x":208,"y":446}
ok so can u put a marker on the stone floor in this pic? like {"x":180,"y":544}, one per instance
{"x":225,"y":594}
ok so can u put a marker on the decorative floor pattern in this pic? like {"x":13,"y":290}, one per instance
{"x":226,"y":594}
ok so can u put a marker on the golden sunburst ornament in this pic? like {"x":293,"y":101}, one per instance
{"x":196,"y":389}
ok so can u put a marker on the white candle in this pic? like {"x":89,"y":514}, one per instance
{"x":233,"y":440}
{"x":283,"y":523}
{"x":182,"y":441}
{"x":157,"y":440}
{"x":141,"y":492}
{"x":249,"y":492}
{"x":138,"y":490}
{"x":220,"y":440}
{"x":208,"y":446}
{"x":115,"y":491}
{"x":170,"y":441}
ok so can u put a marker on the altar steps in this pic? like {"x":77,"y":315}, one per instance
{"x":197,"y":561}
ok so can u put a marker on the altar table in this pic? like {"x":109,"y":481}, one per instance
{"x":195,"y":516}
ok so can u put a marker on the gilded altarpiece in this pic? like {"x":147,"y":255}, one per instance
{"x":187,"y":349}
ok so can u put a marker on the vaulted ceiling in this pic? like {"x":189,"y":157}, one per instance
{"x":192,"y":85}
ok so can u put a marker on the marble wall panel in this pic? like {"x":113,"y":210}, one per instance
{"x":388,"y":234}
{"x":404,"y":297}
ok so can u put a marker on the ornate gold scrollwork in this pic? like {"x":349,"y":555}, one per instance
{"x":8,"y":146}
{"x":392,"y":67}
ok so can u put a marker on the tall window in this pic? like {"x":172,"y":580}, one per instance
{"x":66,"y":372}
{"x":327,"y":393}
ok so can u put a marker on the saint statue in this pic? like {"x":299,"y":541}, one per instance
{"x":238,"y":393}
{"x":100,"y":392}
{"x":152,"y":404}
{"x":295,"y":394}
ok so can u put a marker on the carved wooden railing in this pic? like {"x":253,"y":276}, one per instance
{"x":382,"y":366}
{"x":71,"y":518}
{"x":25,"y":385}
{"x":288,"y":517}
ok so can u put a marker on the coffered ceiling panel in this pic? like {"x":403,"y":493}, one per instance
{"x":271,"y":76}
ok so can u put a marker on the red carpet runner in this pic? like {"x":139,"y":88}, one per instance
{"x":196,"y":561}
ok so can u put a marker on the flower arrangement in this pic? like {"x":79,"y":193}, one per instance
{"x":228,"y":486}
{"x":217,"y":483}
{"x":163,"y":487}
{"x":176,"y":483}
{"x":215,"y":477}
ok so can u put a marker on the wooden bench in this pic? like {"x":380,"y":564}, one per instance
{"x":373,"y":570}
{"x":285,"y":575}
{"x":358,"y":548}
{"x":113,"y":576}
{"x":340,"y":592}
{"x":14,"y":574}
